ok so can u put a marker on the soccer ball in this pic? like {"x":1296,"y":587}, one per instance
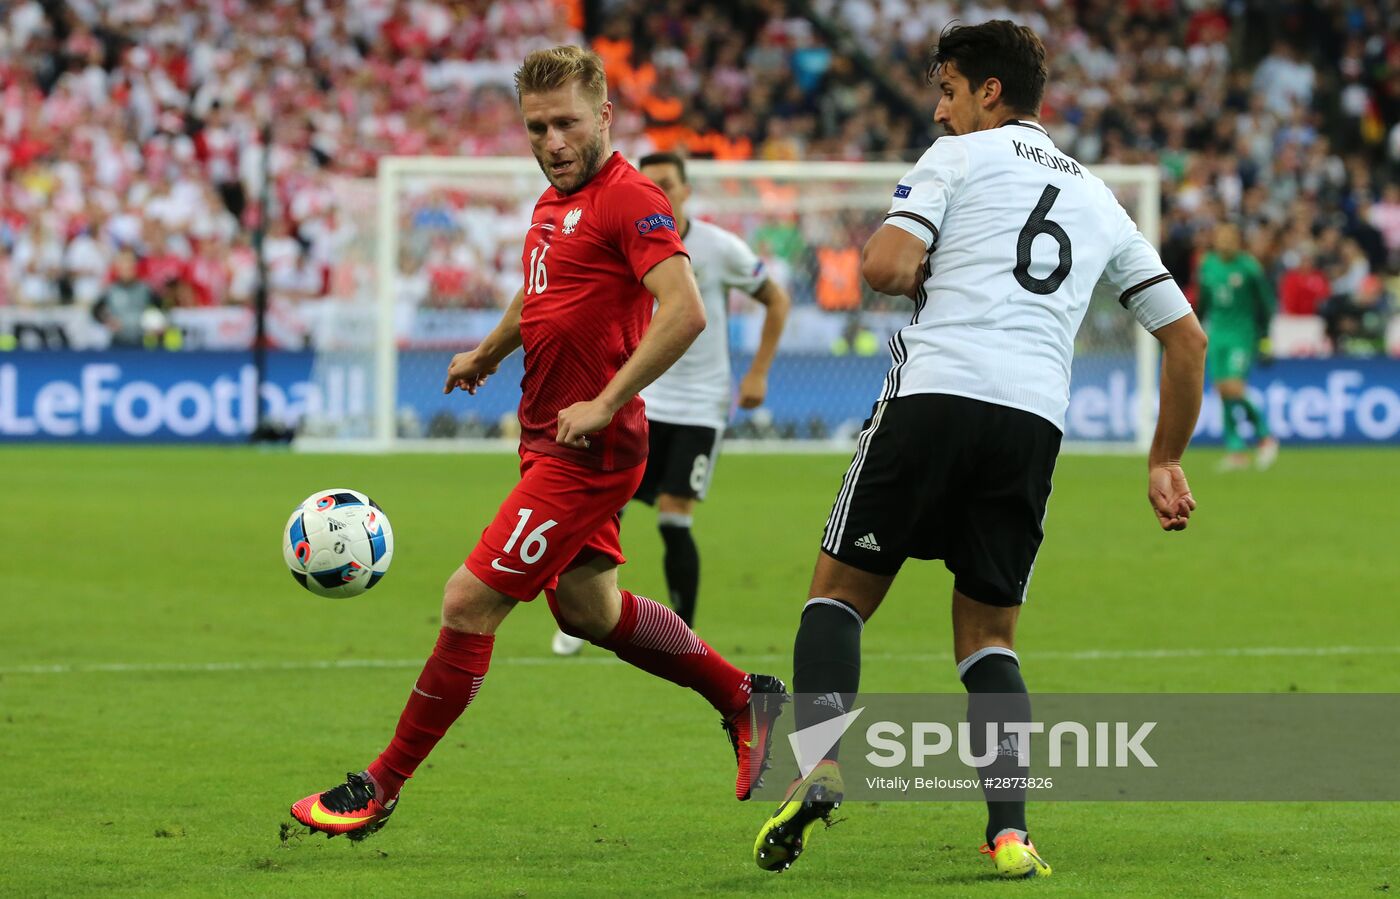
{"x":338,"y":543}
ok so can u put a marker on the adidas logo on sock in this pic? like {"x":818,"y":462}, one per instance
{"x":868,"y":542}
{"x":831,"y":701}
{"x":1008,"y":747}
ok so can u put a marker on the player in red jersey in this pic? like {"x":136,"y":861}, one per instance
{"x":601,"y":244}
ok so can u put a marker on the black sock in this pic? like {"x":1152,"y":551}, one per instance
{"x":997,"y":671}
{"x":682,"y":564}
{"x":826,"y":662}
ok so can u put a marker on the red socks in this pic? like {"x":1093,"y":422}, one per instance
{"x":648,"y":635}
{"x":656,"y":640}
{"x":446,"y":687}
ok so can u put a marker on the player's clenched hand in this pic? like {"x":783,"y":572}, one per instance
{"x":468,"y":371}
{"x":580,"y":420}
{"x":752,"y":390}
{"x":1170,"y":496}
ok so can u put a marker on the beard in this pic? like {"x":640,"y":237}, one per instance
{"x":586,"y":165}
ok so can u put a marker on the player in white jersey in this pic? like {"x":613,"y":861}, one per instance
{"x":1000,"y":240}
{"x":687,"y":407}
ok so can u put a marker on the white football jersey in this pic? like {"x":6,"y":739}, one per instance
{"x":1020,"y":236}
{"x":695,"y":391}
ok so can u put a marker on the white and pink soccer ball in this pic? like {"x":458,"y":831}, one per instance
{"x":338,"y":543}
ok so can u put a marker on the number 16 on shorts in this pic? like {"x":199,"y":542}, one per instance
{"x":557,"y":511}
{"x":534,"y":546}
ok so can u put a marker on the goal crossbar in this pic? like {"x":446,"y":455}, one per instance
{"x":394,"y":171}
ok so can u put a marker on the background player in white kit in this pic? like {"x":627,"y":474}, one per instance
{"x":687,"y":408}
{"x":1000,"y":240}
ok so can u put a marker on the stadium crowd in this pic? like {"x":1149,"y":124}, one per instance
{"x":142,"y":126}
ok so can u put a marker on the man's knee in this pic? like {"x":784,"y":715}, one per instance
{"x":469,"y":606}
{"x":586,"y":603}
{"x":584,"y":619}
{"x":863,"y":591}
{"x":569,"y":622}
{"x":1231,"y":388}
{"x":977,"y":625}
{"x":669,"y":504}
{"x":568,"y":614}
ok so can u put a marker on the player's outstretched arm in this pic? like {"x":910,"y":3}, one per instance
{"x":754,"y":387}
{"x":679,"y":319}
{"x":893,"y":262}
{"x":470,"y":370}
{"x":1183,"y":380}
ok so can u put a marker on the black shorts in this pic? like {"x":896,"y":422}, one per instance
{"x":945,"y":477}
{"x":680,"y":460}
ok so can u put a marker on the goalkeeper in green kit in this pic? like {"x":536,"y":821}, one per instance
{"x":1236,"y":303}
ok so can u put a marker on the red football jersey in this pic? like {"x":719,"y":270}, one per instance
{"x":585,"y":307}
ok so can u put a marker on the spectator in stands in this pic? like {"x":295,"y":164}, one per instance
{"x":116,"y":113}
{"x":1349,"y":270}
{"x":128,"y":307}
{"x":35,"y":263}
{"x":86,"y":261}
{"x":1284,"y":80}
{"x":1304,"y":288}
{"x":1385,"y":217}
{"x":1356,"y":322}
{"x":838,"y":278}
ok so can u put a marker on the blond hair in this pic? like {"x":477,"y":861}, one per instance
{"x":557,"y":67}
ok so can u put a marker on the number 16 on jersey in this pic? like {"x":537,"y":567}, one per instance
{"x":537,"y":277}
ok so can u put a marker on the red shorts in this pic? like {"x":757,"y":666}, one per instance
{"x":559,"y":516}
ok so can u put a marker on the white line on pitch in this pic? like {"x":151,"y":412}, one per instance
{"x":1082,"y":655}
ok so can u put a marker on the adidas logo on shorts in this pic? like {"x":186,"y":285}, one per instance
{"x":868,"y":542}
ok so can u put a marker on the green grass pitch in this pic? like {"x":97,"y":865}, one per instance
{"x":134,"y":772}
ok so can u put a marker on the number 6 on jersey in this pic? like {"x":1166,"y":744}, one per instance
{"x":1038,"y":224}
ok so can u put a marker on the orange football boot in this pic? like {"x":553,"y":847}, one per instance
{"x":349,"y":809}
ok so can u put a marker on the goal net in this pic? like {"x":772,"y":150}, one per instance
{"x":443,"y":259}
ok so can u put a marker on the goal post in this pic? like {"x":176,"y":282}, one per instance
{"x":444,"y":253}
{"x":1147,"y":213}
